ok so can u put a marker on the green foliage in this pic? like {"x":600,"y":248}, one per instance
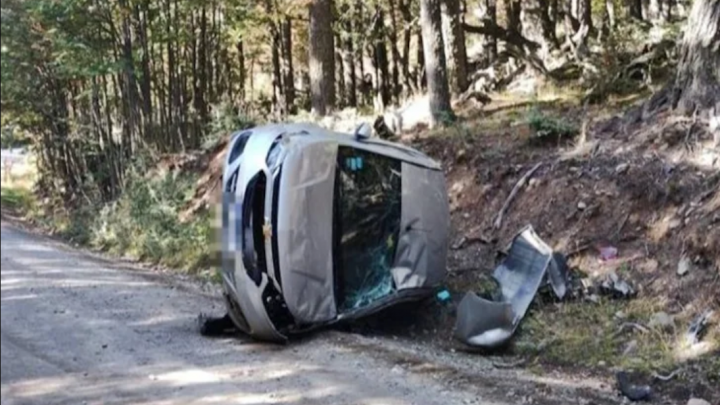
{"x":546,"y":128}
{"x":226,"y":119}
{"x":11,"y":137}
{"x":16,"y":199}
{"x":144,"y":224}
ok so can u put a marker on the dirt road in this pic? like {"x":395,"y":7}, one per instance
{"x":75,"y":331}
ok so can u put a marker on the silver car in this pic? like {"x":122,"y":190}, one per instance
{"x":320,"y":227}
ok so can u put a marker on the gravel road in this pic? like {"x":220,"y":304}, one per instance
{"x":77,"y":330}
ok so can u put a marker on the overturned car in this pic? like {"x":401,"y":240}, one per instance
{"x":320,"y":227}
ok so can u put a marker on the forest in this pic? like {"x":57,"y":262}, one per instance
{"x":96,"y":84}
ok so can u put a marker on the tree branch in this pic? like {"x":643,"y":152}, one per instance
{"x":510,"y":36}
{"x":519,"y":46}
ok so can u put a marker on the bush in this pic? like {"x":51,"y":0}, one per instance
{"x":226,"y":119}
{"x":143,"y":223}
{"x":549,"y":129}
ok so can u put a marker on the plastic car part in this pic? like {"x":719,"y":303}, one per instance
{"x":485,"y":323}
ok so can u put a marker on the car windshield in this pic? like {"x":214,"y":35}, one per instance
{"x":366,"y":225}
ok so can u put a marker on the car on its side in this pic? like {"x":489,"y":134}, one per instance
{"x":320,"y":227}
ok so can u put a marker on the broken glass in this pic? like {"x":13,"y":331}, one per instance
{"x":366,"y":226}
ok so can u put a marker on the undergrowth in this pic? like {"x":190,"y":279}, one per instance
{"x":546,"y":128}
{"x":142,"y":224}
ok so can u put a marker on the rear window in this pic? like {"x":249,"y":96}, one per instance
{"x":366,"y":225}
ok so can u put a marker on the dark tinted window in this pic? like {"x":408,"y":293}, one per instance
{"x":366,"y":226}
{"x":239,"y":146}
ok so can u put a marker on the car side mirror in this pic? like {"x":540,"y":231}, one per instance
{"x":363,"y":132}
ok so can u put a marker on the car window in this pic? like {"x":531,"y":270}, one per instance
{"x":239,"y":146}
{"x":366,"y":226}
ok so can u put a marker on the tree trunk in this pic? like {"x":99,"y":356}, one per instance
{"x":420,"y":71}
{"x":645,"y":9}
{"x":287,"y":67}
{"x":129,"y":85}
{"x":635,"y":9}
{"x":242,"y":72}
{"x":548,"y":23}
{"x":585,"y":13}
{"x":454,"y":41}
{"x":349,"y":59}
{"x":145,"y":86}
{"x":339,"y":75}
{"x":396,"y":88}
{"x":322,"y":57}
{"x":491,"y":44}
{"x":512,"y":12}
{"x":408,"y":86}
{"x":697,"y":83}
{"x":610,"y":10}
{"x":654,"y":10}
{"x":667,"y":11}
{"x":435,"y":67}
{"x":533,"y":27}
{"x":571,"y":24}
{"x":201,"y":105}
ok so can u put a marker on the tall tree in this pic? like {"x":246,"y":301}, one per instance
{"x":490,"y":40}
{"x":697,"y":83}
{"x":348,"y":55}
{"x":512,"y":13}
{"x":288,"y":75}
{"x":585,"y":13}
{"x":322,"y":57}
{"x":454,"y":41}
{"x":380,"y":60}
{"x":635,"y":9}
{"x":435,"y":66}
{"x":534,"y":16}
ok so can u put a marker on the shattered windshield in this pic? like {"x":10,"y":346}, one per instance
{"x":366,"y":226}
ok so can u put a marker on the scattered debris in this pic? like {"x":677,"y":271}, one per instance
{"x":697,"y":401}
{"x":608,"y":253}
{"x":617,"y":288}
{"x":466,"y":241}
{"x":622,"y":168}
{"x":485,"y":323}
{"x":697,"y":327}
{"x":593,"y":298}
{"x":631,"y":391}
{"x":443,"y":296}
{"x":216,"y":326}
{"x":513,"y":364}
{"x":661,"y":320}
{"x":513,"y":193}
{"x":630,"y":348}
{"x":666,"y":378}
{"x":632,"y":325}
{"x":684,"y":266}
